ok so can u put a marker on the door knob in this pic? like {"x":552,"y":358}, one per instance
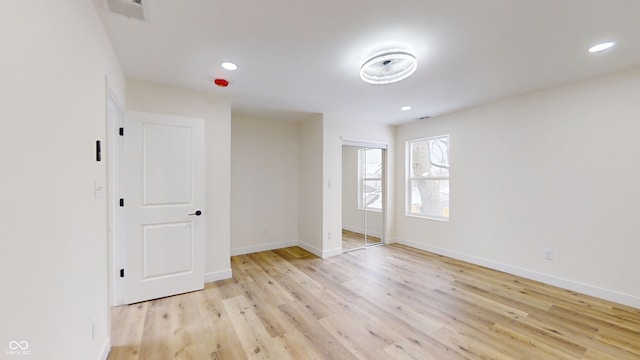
{"x":197,"y":213}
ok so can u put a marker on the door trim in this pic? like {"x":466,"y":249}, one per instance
{"x":364,"y":144}
{"x":115,"y":214}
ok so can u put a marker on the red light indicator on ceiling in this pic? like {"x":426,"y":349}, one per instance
{"x":221,"y":82}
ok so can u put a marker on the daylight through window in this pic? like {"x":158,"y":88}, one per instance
{"x":370,"y":179}
{"x":428,"y":180}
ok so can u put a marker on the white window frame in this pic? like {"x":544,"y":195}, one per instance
{"x":410,"y":179}
{"x":362,"y":180}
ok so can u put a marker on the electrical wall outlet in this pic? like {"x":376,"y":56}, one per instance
{"x":330,"y":235}
{"x":548,"y":254}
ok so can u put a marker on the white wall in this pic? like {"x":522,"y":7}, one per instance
{"x":353,"y":218}
{"x":53,"y":268}
{"x":555,"y":169}
{"x":163,"y":99}
{"x":336,"y":129}
{"x":264,"y":184}
{"x":310,"y":185}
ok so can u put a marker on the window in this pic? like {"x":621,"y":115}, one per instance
{"x":370,"y":179}
{"x":428,"y":180}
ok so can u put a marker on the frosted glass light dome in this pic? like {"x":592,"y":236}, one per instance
{"x":388,"y":66}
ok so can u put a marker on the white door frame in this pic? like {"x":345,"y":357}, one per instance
{"x":115,"y":214}
{"x":384,"y":147}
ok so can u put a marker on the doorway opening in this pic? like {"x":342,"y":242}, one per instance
{"x":363,"y":195}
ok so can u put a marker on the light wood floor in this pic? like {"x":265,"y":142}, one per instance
{"x":386,"y":302}
{"x":353,"y":240}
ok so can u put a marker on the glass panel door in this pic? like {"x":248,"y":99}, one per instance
{"x":371,"y":186}
{"x":362,"y":197}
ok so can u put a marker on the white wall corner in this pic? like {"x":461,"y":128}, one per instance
{"x":390,"y":240}
{"x":106,"y":348}
{"x":263,"y":247}
{"x":606,"y":294}
{"x":273,"y":246}
{"x":218,"y":275}
{"x":310,"y":248}
{"x":331,"y":252}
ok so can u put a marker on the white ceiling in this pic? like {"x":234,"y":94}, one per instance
{"x":302,"y":56}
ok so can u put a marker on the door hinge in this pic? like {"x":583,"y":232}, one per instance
{"x":98,"y":151}
{"x":121,"y":273}
{"x":122,"y":202}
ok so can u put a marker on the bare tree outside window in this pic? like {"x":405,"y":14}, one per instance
{"x":429,"y":177}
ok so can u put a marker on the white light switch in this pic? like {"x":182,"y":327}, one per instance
{"x":99,"y":188}
{"x":330,"y":184}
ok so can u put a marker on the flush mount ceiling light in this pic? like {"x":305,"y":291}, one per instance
{"x":406,"y":108}
{"x":128,"y":8}
{"x":601,"y":47}
{"x":229,"y":66}
{"x":388,"y":66}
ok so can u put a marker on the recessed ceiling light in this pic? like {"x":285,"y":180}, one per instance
{"x":601,"y":47}
{"x":388,"y":66}
{"x":405,"y":108}
{"x":229,"y":66}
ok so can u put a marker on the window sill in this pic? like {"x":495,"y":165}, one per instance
{"x":371,"y":210}
{"x":436,"y":218}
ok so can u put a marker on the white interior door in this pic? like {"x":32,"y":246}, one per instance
{"x":164,"y":205}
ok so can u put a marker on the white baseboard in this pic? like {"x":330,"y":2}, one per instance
{"x":331,"y":252}
{"x":273,"y":246}
{"x":310,"y":248}
{"x":262,"y":247}
{"x":361,"y":231}
{"x":218,"y":275}
{"x":320,"y":253}
{"x":567,"y":284}
{"x":106,"y":348}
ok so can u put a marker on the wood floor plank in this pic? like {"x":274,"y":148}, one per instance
{"x":357,"y":337}
{"x":300,"y":346}
{"x":420,"y":321}
{"x":306,"y":323}
{"x":231,"y":351}
{"x":543,"y":349}
{"x":220,"y":336}
{"x":190,"y":324}
{"x":409,"y":350}
{"x":269,"y":261}
{"x":311,"y":295}
{"x":159,"y":340}
{"x":469,"y":347}
{"x":262,"y":305}
{"x":255,"y":340}
{"x":388,"y":302}
{"x":126,"y":342}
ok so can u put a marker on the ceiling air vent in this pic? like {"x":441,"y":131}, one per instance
{"x":128,"y":8}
